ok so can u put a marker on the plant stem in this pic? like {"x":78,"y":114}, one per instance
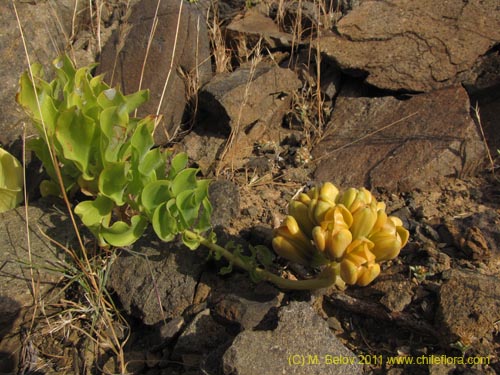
{"x":263,"y":274}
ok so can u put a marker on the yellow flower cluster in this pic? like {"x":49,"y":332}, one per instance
{"x":351,"y":232}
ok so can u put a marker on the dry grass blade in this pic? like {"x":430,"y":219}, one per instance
{"x":478,"y":119}
{"x":170,"y":69}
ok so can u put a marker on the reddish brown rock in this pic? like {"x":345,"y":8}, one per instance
{"x":253,"y":28}
{"x":43,"y":38}
{"x":469,"y":306}
{"x":414,"y":45}
{"x":399,"y":144}
{"x":180,"y":25}
{"x":248,"y":105}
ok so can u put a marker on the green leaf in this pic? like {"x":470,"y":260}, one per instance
{"x":178,"y":163}
{"x":113,"y":182}
{"x":95,"y":213}
{"x":11,"y":181}
{"x":164,"y":223}
{"x":154,"y":194}
{"x":189,"y":242}
{"x":205,"y":216}
{"x":75,"y":134}
{"x":262,"y":254}
{"x":122,"y":234}
{"x":27,"y":95}
{"x":114,"y":129}
{"x":184,"y":180}
{"x":133,"y":101}
{"x":151,"y":162}
{"x":188,"y":207}
{"x":142,"y":140}
{"x":49,"y":188}
{"x":226,"y":269}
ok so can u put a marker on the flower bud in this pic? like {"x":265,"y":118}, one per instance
{"x":300,"y":212}
{"x":337,"y":243}
{"x":319,"y":238}
{"x":386,"y":245}
{"x":328,"y":193}
{"x":363,"y":221}
{"x":367,"y":274}
{"x":288,"y":250}
{"x":347,"y":198}
{"x":348,"y":272}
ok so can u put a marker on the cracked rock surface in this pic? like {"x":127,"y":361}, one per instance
{"x":414,"y":45}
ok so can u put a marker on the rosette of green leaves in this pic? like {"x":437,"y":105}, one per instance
{"x":85,"y":126}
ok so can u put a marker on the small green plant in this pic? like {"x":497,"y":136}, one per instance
{"x":89,"y":143}
{"x":85,"y":126}
{"x":11,"y":181}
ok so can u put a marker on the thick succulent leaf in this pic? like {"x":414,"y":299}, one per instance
{"x":113,"y":127}
{"x":178,"y":163}
{"x":75,"y":134}
{"x":95,"y":213}
{"x":154,"y":194}
{"x":164,"y":223}
{"x":49,"y":188}
{"x":205,"y":216}
{"x":11,"y":181}
{"x":27,"y":95}
{"x":113,"y":182}
{"x":134,"y":100}
{"x":184,"y":180}
{"x":189,"y":242}
{"x":122,"y":234}
{"x":142,"y":140}
{"x":188,"y":207}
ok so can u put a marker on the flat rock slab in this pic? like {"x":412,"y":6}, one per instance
{"x":400,"y":144}
{"x":16,"y":277}
{"x":469,"y":307}
{"x":253,"y":28}
{"x":302,"y":343}
{"x":42,"y":36}
{"x":243,"y":97}
{"x":156,"y":282}
{"x":248,"y":105}
{"x":123,"y":58}
{"x":414,"y":45}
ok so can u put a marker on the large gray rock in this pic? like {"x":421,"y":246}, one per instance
{"x":202,"y":336}
{"x":302,"y":343}
{"x":154,"y":282}
{"x":469,"y":307}
{"x":18,"y":275}
{"x":414,"y":45}
{"x":400,"y":144}
{"x":123,"y":59}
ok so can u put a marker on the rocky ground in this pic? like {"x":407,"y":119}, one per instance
{"x":399,"y":96}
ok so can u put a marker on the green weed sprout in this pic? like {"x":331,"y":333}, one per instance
{"x":11,"y":181}
{"x":85,"y":129}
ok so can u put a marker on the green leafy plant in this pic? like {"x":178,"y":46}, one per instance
{"x":88,"y":142}
{"x":86,"y":128}
{"x":11,"y":181}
